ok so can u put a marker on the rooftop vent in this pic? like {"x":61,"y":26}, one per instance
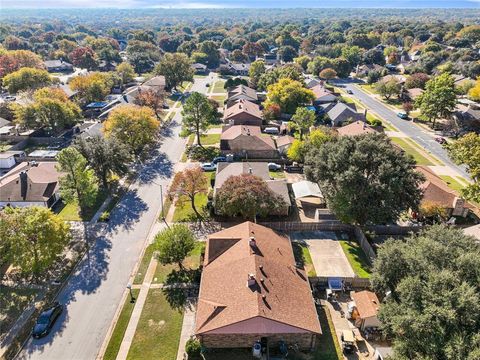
{"x":252,"y":242}
{"x":251,"y":280}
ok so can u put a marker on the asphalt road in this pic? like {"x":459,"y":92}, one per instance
{"x":96,"y":288}
{"x":422,"y":137}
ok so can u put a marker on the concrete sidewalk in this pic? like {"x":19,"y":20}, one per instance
{"x":188,"y":329}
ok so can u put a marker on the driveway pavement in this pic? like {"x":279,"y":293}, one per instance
{"x":327,"y":255}
{"x":95,"y":289}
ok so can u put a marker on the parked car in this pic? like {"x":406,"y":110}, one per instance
{"x":219,"y":159}
{"x":274,"y":167}
{"x":208,"y":167}
{"x":272,"y":130}
{"x":294,"y":168}
{"x":349,"y":91}
{"x":441,"y":140}
{"x":348,"y":341}
{"x":402,"y":115}
{"x":10,"y":98}
{"x":46,"y":320}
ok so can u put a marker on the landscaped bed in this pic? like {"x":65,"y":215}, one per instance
{"x":356,"y":257}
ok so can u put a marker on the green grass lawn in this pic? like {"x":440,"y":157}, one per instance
{"x":410,"y":149}
{"x":356,"y":257}
{"x":218,"y":87}
{"x":184,"y":211}
{"x":210,"y":139}
{"x":388,"y":127}
{"x":277,"y":174}
{"x":70,"y":212}
{"x":12,"y":303}
{"x":120,"y":328}
{"x":328,"y":347}
{"x":158,"y":331}
{"x":302,"y":256}
{"x":219,"y":98}
{"x":452,"y":182}
{"x":142,"y":269}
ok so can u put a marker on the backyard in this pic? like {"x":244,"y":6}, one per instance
{"x":303,"y":257}
{"x":356,"y":257}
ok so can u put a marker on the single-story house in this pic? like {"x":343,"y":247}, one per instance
{"x":247,"y":141}
{"x":271,"y":58}
{"x":9,"y":158}
{"x":311,"y":82}
{"x":240,"y":69}
{"x":356,"y":128}
{"x":365,"y":313}
{"x":414,"y":93}
{"x":251,"y":289}
{"x":260,"y":169}
{"x":58,"y":66}
{"x":322,"y":95}
{"x":468,"y":117}
{"x":243,"y":112}
{"x":30,"y":183}
{"x":156,"y":83}
{"x":435,"y":191}
{"x":241,"y":92}
{"x":342,"y":113}
{"x":398,"y":78}
{"x":283,"y":143}
{"x":199,"y":68}
{"x":364,"y":70}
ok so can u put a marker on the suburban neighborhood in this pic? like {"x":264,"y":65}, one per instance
{"x":257,"y":183}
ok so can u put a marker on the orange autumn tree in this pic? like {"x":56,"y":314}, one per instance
{"x":187,"y":184}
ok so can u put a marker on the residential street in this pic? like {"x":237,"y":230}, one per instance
{"x":416,"y":133}
{"x":96,"y":288}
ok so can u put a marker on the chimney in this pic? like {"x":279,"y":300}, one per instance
{"x":23,"y":184}
{"x":251,"y":280}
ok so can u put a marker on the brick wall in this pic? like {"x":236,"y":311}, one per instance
{"x":305,"y":341}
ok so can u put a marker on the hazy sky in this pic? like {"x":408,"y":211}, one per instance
{"x":205,"y":4}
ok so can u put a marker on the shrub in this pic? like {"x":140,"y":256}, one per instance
{"x":193,"y":348}
{"x":198,"y":153}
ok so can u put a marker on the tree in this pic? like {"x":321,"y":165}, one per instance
{"x":141,"y":62}
{"x":257,"y":69}
{"x":304,"y":119}
{"x":176,"y":68}
{"x":365,"y":180}
{"x":247,"y":195}
{"x":51,"y":108}
{"x":328,"y":74}
{"x":125,"y":72}
{"x":187,"y":184}
{"x":35,"y":237}
{"x":197,"y":113}
{"x":153,"y":99}
{"x":289,"y":95}
{"x":134,"y":126}
{"x":439,"y":99}
{"x":352,"y":54}
{"x":11,"y":61}
{"x":93,"y":86}
{"x":407,"y":107}
{"x":106,"y":156}
{"x":434,"y":308}
{"x":388,"y":88}
{"x":296,"y":151}
{"x":466,"y":150}
{"x":287,"y":53}
{"x":417,"y":80}
{"x":26,"y":79}
{"x":173,"y":244}
{"x":84,"y":57}
{"x":79,"y":183}
{"x":433,"y":211}
{"x":474,"y":92}
{"x":210,"y":48}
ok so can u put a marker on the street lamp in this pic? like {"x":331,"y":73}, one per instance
{"x":161,"y":201}
{"x":132,"y":299}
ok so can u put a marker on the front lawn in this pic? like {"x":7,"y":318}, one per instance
{"x":120,"y":328}
{"x":419,"y":158}
{"x":302,"y":256}
{"x":219,"y":98}
{"x":71,"y":212}
{"x":276,"y":174}
{"x":218,"y":87}
{"x":158,"y":331}
{"x":210,"y":139}
{"x":356,"y":257}
{"x":452,"y":183}
{"x":184,"y":211}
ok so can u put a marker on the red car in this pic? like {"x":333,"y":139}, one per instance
{"x":440,"y":140}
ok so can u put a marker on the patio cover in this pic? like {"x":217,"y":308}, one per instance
{"x":303,"y":189}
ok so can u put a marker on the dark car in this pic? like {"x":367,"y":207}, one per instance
{"x":441,"y":140}
{"x":219,"y":159}
{"x":46,"y":320}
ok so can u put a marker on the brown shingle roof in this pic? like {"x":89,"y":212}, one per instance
{"x":367,"y":303}
{"x":243,"y":106}
{"x":355,"y":128}
{"x":435,"y":190}
{"x":225,"y":298}
{"x":243,"y":90}
{"x":41,"y":181}
{"x":251,"y":137}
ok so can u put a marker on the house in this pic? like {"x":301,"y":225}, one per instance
{"x":251,"y":289}
{"x":58,"y":66}
{"x":322,"y":95}
{"x":260,"y":169}
{"x":9,"y":158}
{"x":364,"y":70}
{"x":412,"y":94}
{"x":243,"y":112}
{"x":283,"y":143}
{"x":435,"y":191}
{"x":200,"y":69}
{"x":30,"y":183}
{"x":356,"y":128}
{"x":365,"y":313}
{"x":247,"y":141}
{"x":398,"y":78}
{"x":473,"y":231}
{"x":342,"y":113}
{"x":156,"y":83}
{"x":468,"y":117}
{"x":311,"y":82}
{"x":241,"y":92}
{"x":239,"y":69}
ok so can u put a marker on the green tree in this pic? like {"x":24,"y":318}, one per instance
{"x":247,"y":195}
{"x":92,"y":87}
{"x":197,"y":113}
{"x":353,"y":54}
{"x":388,"y":88}
{"x":26,"y":79}
{"x":210,"y":48}
{"x":328,"y":74}
{"x":35,"y":236}
{"x":304,"y":119}
{"x":176,"y":68}
{"x":296,"y":151}
{"x":434,"y":308}
{"x":106,"y":156}
{"x":79,"y":183}
{"x":257,"y":69}
{"x":173,"y":244}
{"x":466,"y":150}
{"x":289,"y":95}
{"x":364,"y":179}
{"x":125,"y":72}
{"x":134,"y":126}
{"x":439,"y":99}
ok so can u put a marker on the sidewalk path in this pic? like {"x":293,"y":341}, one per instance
{"x":188,"y":329}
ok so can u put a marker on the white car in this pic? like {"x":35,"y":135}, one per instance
{"x":208,"y":167}
{"x":272,"y":130}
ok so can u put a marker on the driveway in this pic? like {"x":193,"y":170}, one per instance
{"x":94,"y":291}
{"x":327,"y":255}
